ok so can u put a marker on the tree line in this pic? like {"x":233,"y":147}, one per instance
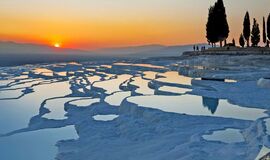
{"x":254,"y":33}
{"x":217,"y":28}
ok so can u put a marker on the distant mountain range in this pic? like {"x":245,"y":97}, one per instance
{"x":12,"y":53}
{"x":22,"y":48}
{"x":146,"y":51}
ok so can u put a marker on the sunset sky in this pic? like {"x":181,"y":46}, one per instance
{"x":90,"y":24}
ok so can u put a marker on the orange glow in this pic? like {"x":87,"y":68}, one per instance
{"x":57,"y":45}
{"x":105,"y":24}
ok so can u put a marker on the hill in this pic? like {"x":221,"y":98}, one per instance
{"x":12,"y":53}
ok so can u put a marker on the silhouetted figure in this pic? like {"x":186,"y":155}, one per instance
{"x":210,"y":103}
{"x":255,"y":34}
{"x":194,"y":48}
{"x":246,"y":30}
{"x":197,"y":48}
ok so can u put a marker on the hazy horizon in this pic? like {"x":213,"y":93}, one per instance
{"x":107,"y":24}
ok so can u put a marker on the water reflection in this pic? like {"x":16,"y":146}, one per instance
{"x":226,"y":136}
{"x":43,"y":71}
{"x":139,"y":65}
{"x":149,"y":75}
{"x":18,"y":112}
{"x":176,"y":90}
{"x":117,"y":98}
{"x":94,"y":94}
{"x":210,"y":103}
{"x":112,"y":85}
{"x":174,"y":77}
{"x":142,"y":85}
{"x":105,"y":117}
{"x":5,"y":82}
{"x":192,"y":105}
{"x":40,"y":143}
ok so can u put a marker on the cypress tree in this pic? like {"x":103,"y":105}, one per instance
{"x":242,"y":41}
{"x":217,"y":27}
{"x":221,"y":22}
{"x":264,"y":32}
{"x":268,"y":28}
{"x":246,"y":30}
{"x":255,"y":33}
{"x":211,"y":32}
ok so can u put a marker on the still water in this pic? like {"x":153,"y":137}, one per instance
{"x":33,"y":110}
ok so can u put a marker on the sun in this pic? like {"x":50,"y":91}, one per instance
{"x":57,"y":45}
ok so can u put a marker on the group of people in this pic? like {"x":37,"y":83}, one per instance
{"x":196,"y":48}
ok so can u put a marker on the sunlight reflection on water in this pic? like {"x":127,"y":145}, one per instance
{"x":193,"y":105}
{"x":226,"y":136}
